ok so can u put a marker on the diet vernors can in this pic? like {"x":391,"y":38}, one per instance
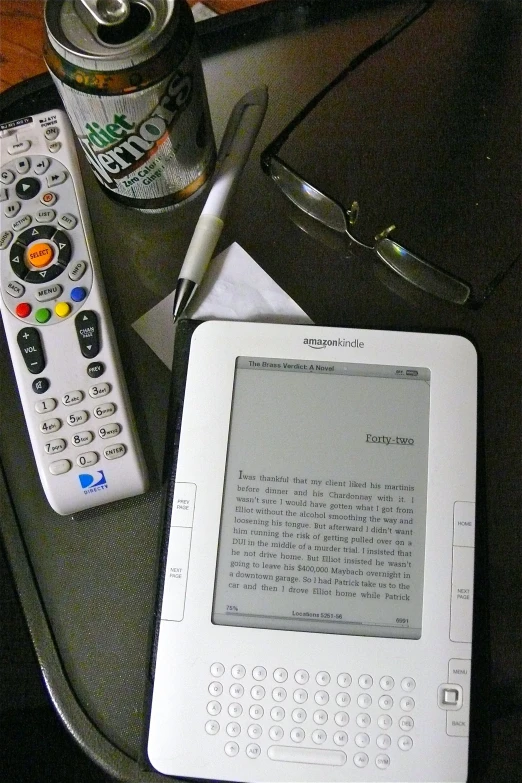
{"x":135,"y":95}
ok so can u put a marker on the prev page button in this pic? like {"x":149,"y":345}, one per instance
{"x":176,"y":572}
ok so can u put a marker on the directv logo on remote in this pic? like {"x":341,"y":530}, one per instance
{"x":91,"y":483}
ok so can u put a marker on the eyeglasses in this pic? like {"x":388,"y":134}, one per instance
{"x":340,"y":218}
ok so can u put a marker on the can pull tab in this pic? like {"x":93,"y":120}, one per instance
{"x":107,"y":12}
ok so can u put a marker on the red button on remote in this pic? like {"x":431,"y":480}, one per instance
{"x":23,"y":309}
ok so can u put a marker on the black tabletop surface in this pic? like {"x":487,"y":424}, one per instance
{"x":87,"y":583}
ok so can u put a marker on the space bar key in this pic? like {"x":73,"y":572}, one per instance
{"x":306,"y":755}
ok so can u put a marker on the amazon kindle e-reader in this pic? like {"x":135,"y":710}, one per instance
{"x":316,"y":610}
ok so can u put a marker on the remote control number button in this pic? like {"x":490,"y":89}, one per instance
{"x":99,"y":390}
{"x":110,"y":431}
{"x":19,"y":146}
{"x":76,"y":418}
{"x":115,"y":452}
{"x":41,"y":165}
{"x":5,"y":239}
{"x":45,"y":215}
{"x":27,"y":188}
{"x":77,"y":271}
{"x":23,"y":309}
{"x":72,"y":397}
{"x":45,"y":406}
{"x":87,"y":459}
{"x":102,"y":411}
{"x":31,"y":349}
{"x":15,"y":289}
{"x":60,"y":466}
{"x":50,"y":425}
{"x":87,"y":331}
{"x":48,"y":293}
{"x":82,"y":438}
{"x":54,"y":446}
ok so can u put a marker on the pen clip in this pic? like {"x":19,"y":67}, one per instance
{"x":257,"y":97}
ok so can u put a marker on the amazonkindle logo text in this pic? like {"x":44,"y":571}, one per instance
{"x":340,"y":342}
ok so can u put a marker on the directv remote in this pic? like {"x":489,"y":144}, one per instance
{"x":58,"y":324}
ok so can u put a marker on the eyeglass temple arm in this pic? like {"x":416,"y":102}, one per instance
{"x":273,"y":148}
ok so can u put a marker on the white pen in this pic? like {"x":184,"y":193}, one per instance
{"x":238,"y":140}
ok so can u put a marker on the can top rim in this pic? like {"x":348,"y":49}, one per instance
{"x":80,"y":44}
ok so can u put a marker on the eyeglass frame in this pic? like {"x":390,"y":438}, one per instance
{"x":384,"y":246}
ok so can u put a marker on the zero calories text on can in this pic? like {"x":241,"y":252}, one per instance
{"x":130,"y":77}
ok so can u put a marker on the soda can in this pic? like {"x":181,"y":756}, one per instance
{"x":130,"y":77}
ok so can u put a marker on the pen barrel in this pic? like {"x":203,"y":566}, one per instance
{"x":201,"y":248}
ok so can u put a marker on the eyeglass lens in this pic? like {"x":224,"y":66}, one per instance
{"x":307,"y":198}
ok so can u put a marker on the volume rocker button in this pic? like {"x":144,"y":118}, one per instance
{"x":30,"y":345}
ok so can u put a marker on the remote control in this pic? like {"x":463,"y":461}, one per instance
{"x":58,"y":325}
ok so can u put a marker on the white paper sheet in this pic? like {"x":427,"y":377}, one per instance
{"x":235,"y":288}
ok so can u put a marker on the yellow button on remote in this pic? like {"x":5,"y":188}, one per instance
{"x":62,"y":309}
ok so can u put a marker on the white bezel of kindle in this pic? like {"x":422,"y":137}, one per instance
{"x":422,"y":685}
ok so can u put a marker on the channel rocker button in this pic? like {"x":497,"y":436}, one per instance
{"x":88,"y":333}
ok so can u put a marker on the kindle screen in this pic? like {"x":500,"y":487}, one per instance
{"x":324,"y":508}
